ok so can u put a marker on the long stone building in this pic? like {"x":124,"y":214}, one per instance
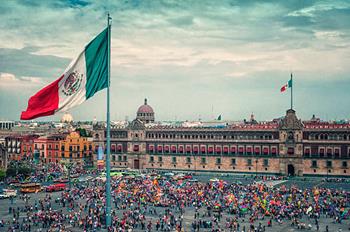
{"x":287,"y":146}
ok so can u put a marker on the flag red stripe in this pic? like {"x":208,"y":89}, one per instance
{"x":43,"y":103}
{"x":283,"y":88}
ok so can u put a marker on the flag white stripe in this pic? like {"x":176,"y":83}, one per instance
{"x":67,"y":101}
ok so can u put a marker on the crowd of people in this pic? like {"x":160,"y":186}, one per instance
{"x":157,"y":203}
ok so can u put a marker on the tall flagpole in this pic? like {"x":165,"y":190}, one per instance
{"x":291,"y":91}
{"x":108,"y":162}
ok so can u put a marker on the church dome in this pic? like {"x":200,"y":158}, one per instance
{"x":145,"y":113}
{"x":145,"y":108}
{"x":67,"y":118}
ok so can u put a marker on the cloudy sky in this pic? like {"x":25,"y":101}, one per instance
{"x":190,"y":58}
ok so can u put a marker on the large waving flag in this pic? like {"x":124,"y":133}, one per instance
{"x":84,"y":76}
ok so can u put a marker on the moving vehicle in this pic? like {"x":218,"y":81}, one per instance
{"x":30,"y":188}
{"x":55,"y":187}
{"x":61,"y":180}
{"x":7,"y":193}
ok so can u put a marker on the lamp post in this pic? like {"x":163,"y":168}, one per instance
{"x":256,"y":167}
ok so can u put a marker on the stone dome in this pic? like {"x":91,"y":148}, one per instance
{"x":67,"y":118}
{"x":145,"y":108}
{"x":145,"y":113}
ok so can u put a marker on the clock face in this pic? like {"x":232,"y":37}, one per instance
{"x":290,"y":135}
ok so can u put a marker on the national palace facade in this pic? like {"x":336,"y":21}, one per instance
{"x":287,"y":146}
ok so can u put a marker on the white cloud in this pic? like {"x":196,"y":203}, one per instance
{"x":10,"y":80}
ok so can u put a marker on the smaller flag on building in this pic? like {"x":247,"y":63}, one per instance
{"x":286,"y":86}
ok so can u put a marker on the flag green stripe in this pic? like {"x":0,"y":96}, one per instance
{"x":96,"y":57}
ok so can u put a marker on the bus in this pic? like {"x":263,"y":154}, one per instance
{"x":56,"y":187}
{"x":30,"y":188}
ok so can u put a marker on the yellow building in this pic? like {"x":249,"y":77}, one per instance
{"x":77,"y":149}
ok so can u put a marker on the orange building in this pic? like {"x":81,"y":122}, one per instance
{"x":27,"y":146}
{"x":52,"y":148}
{"x":47,"y":148}
{"x":77,"y":149}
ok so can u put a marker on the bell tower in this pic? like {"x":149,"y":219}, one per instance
{"x":290,"y":147}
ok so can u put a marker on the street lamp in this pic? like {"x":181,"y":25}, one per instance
{"x":256,"y":167}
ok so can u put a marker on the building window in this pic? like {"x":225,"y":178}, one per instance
{"x":290,"y":151}
{"x":203,"y":160}
{"x":173,"y":159}
{"x":119,"y":158}
{"x":307,"y":152}
{"x":160,"y":159}
{"x":314,"y":164}
{"x":336,"y":152}
{"x":249,"y":150}
{"x":329,"y":153}
{"x":344,"y":164}
{"x":321,"y":152}
{"x":125,"y":158}
{"x":233,"y":161}
{"x":218,"y":160}
{"x":249,"y":162}
{"x":188,"y":160}
{"x":151,"y":159}
{"x":266,"y":162}
{"x":329,"y":164}
{"x":136,"y":148}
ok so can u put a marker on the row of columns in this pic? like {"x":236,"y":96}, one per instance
{"x":6,"y":125}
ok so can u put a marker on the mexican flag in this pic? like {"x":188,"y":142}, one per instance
{"x":286,"y":86}
{"x":85,"y":75}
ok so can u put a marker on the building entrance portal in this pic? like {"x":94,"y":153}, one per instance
{"x":291,"y":170}
{"x":136,"y":164}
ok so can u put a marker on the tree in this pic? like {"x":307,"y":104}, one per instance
{"x":2,"y":174}
{"x":11,"y":171}
{"x":82,"y":132}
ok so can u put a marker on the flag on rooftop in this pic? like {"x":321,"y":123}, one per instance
{"x":288,"y":85}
